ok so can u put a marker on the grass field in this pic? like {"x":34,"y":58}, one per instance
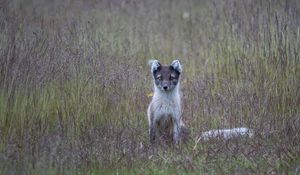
{"x":74,"y":82}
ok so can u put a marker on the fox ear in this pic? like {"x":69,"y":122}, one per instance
{"x":154,"y":64}
{"x":176,"y":65}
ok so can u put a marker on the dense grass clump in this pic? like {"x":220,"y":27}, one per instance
{"x":74,"y":81}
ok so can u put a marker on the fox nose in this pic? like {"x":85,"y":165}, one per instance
{"x":165,"y":87}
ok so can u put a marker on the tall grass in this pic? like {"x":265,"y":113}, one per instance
{"x":74,"y":82}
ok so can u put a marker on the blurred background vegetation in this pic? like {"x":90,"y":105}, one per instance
{"x":74,"y":81}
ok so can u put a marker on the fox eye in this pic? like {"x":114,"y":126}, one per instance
{"x":158,"y":77}
{"x":172,"y":77}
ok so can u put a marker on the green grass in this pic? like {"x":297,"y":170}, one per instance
{"x":74,"y":81}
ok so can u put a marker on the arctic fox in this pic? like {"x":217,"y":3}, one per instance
{"x":164,"y":111}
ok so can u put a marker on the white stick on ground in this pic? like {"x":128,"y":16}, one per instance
{"x":225,"y":134}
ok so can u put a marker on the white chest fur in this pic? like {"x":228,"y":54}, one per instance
{"x":166,"y":104}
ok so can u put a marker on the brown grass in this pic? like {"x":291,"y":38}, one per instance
{"x":74,"y":82}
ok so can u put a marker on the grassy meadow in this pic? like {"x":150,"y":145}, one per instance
{"x":74,"y":85}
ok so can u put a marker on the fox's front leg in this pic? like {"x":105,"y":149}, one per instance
{"x":152,"y":129}
{"x":176,"y":131}
{"x":152,"y":132}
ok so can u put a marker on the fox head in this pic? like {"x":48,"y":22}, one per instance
{"x":165,"y":77}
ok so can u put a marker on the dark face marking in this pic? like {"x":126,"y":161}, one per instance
{"x":166,"y":77}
